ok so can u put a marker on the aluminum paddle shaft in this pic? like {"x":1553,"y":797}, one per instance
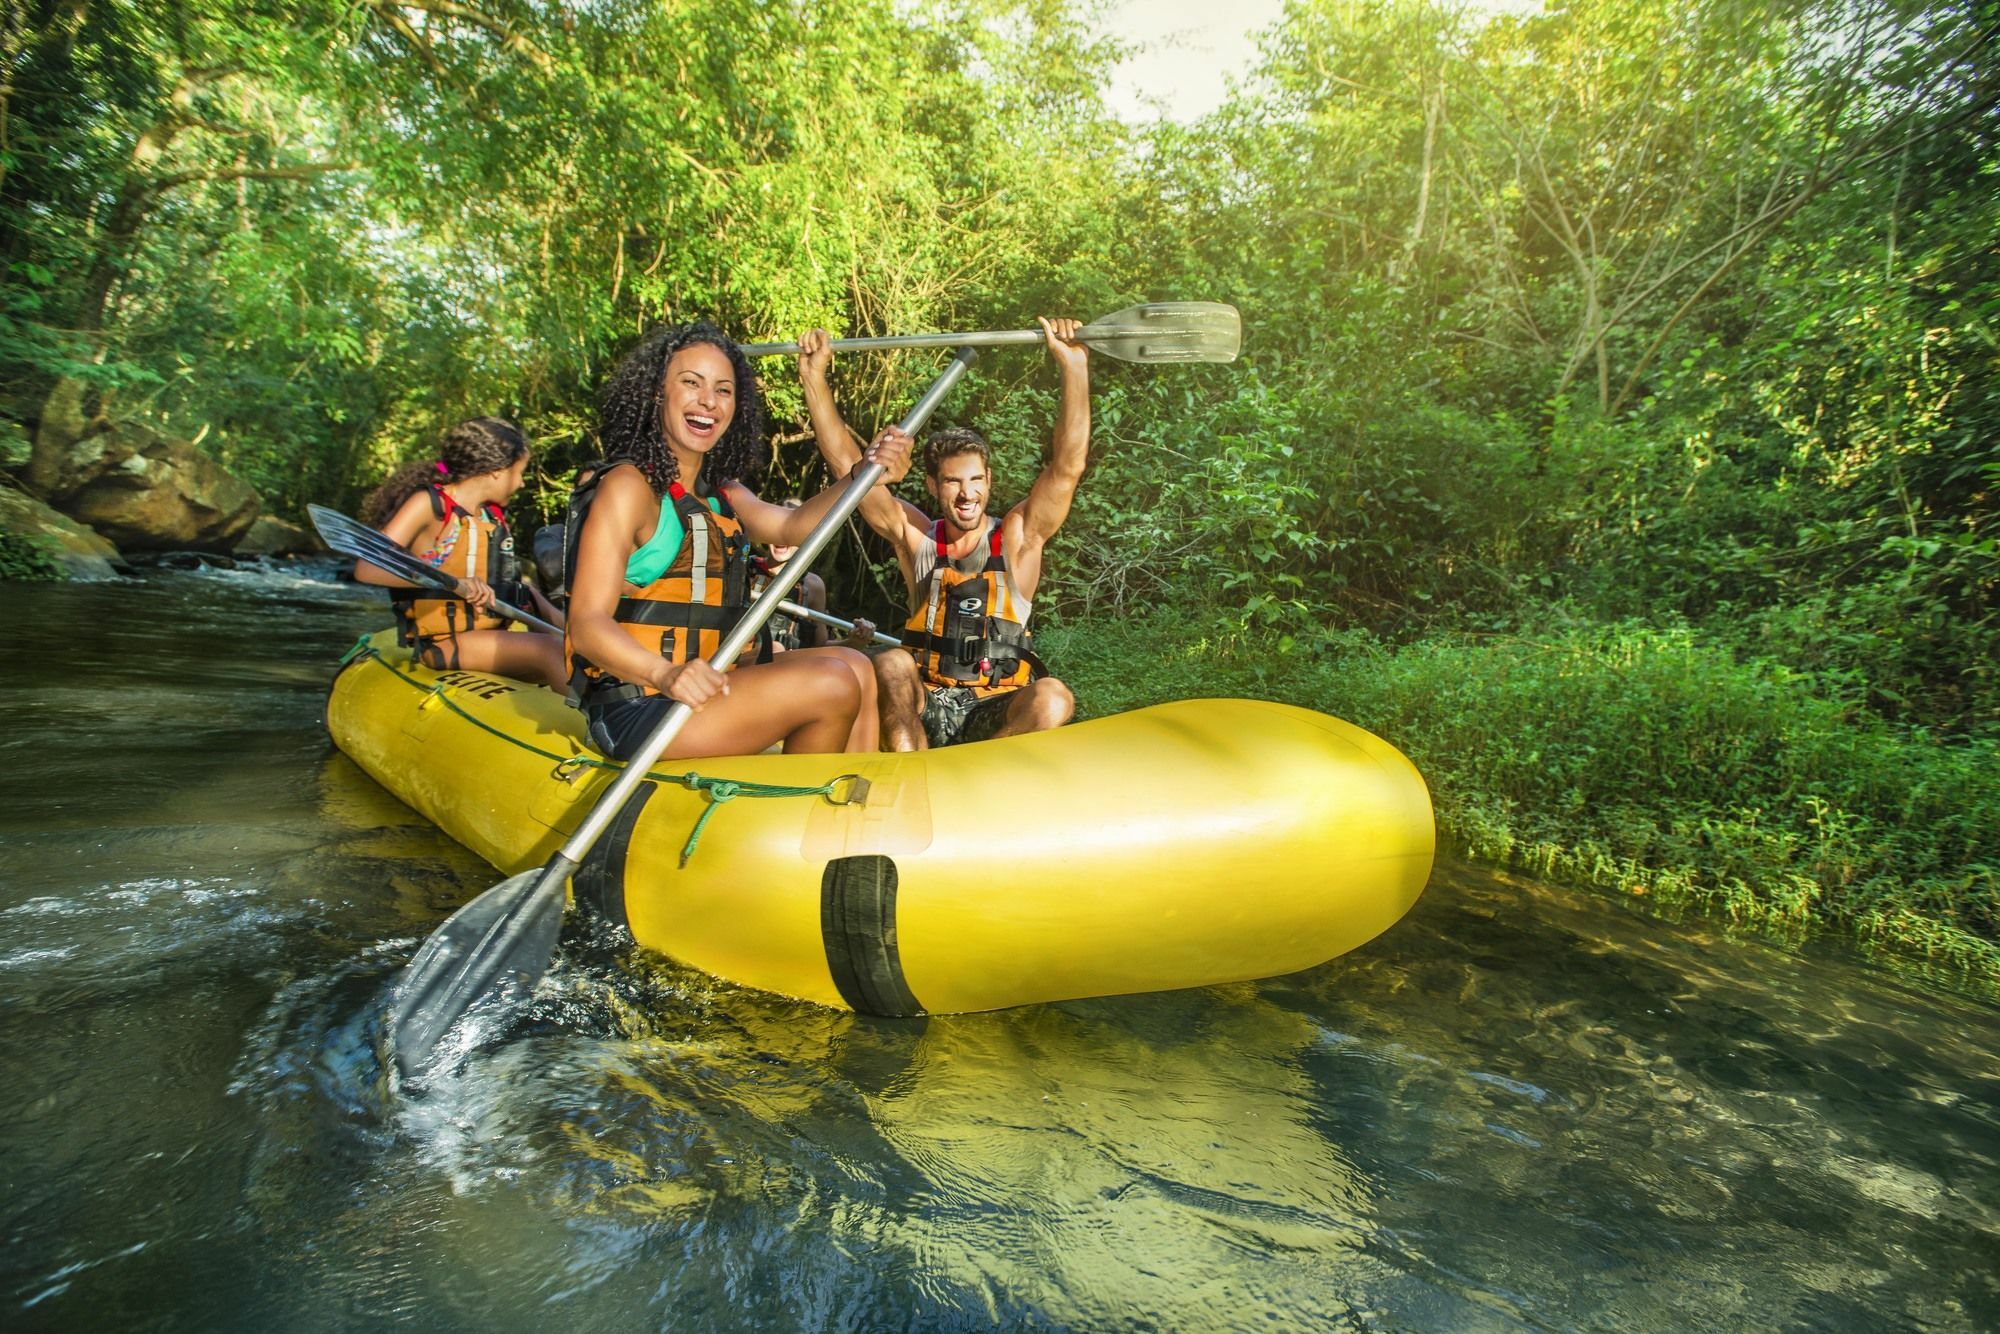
{"x":828,"y":618}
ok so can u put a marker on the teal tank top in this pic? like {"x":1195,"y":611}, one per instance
{"x":651,"y":561}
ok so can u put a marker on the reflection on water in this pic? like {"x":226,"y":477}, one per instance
{"x":1522,"y":1107}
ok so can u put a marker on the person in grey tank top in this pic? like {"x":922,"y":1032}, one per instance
{"x":967,"y":671}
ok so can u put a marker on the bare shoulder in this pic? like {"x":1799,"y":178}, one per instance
{"x":625,"y":500}
{"x":411,"y":517}
{"x":624,"y":486}
{"x":1015,"y":531}
{"x":916,"y":528}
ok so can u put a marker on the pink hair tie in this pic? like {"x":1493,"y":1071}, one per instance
{"x":442,"y":470}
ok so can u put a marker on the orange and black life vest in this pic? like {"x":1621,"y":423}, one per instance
{"x":465,"y":545}
{"x":965,"y":630}
{"x":685,"y":612}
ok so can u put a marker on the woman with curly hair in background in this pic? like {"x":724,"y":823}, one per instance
{"x":450,"y":512}
{"x":659,"y":543}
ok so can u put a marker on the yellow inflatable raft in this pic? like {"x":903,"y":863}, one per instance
{"x":1177,"y":846}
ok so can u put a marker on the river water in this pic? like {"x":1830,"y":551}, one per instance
{"x":1521,"y":1108}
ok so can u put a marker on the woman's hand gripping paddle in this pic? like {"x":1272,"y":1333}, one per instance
{"x":501,"y":943}
{"x":1161,"y":331}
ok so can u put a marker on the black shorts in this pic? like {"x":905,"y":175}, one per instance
{"x":618,"y":729}
{"x":954,"y":715}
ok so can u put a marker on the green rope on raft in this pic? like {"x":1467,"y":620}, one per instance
{"x":717,"y":790}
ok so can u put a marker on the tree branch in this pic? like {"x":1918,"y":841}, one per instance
{"x":303,"y":171}
{"x":510,"y":40}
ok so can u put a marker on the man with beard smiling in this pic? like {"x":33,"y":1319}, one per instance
{"x":968,"y":670}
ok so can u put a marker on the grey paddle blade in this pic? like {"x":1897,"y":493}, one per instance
{"x":1166,"y":331}
{"x":499,"y":943}
{"x":350,"y":537}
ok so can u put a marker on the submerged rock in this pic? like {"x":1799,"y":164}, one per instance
{"x":272,"y":536}
{"x":186,"y":560}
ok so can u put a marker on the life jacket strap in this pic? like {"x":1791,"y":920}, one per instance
{"x":676,"y":615}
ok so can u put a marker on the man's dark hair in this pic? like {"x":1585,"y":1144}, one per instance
{"x":951,"y":441}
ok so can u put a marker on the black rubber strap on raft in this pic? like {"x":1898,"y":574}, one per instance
{"x":599,"y":881}
{"x":857,"y":917}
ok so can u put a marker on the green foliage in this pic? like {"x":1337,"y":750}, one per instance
{"x":25,"y":559}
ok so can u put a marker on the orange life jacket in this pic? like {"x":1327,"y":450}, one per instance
{"x":963,"y":632}
{"x":684,"y":613}
{"x":465,"y":545}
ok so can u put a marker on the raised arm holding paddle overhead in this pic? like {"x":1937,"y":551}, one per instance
{"x":969,"y":673}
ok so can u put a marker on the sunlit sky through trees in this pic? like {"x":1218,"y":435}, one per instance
{"x":1188,"y":50}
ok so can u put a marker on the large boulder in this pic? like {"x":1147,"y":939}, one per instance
{"x":272,"y":536}
{"x":143,"y":490}
{"x":81,"y":553}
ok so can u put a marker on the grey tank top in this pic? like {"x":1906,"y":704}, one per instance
{"x":1015,"y":609}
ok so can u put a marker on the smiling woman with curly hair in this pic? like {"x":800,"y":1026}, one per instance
{"x":662,"y":571}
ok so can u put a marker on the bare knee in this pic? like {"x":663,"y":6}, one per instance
{"x":832,"y":681}
{"x":896,"y":673}
{"x":861,"y":665}
{"x":1053,"y":705}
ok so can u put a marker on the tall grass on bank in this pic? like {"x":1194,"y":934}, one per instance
{"x":1640,"y":760}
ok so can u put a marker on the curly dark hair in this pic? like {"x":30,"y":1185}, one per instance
{"x":484,"y":444}
{"x":948,"y":442}
{"x":628,"y":421}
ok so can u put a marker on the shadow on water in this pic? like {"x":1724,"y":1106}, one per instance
{"x":1520,"y":1108}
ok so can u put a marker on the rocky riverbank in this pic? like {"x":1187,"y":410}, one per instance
{"x":94,"y":487}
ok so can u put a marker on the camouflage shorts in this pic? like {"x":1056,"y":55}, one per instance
{"x":954,"y":715}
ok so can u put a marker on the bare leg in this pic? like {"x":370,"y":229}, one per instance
{"x":899,"y":696}
{"x":867,"y":729}
{"x":806,"y":700}
{"x":525,"y":657}
{"x":1045,"y":704}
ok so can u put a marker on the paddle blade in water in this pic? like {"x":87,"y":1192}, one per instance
{"x":1167,"y":331}
{"x":499,"y":944}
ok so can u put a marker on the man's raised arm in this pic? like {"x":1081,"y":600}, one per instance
{"x":1049,"y":498}
{"x":880,"y":508}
